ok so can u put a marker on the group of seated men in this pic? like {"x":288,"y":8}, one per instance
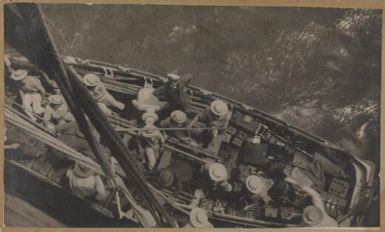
{"x":163,"y":114}
{"x":49,"y":108}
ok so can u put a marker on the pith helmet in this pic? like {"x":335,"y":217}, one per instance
{"x":91,"y":79}
{"x":19,"y":75}
{"x":199,"y":219}
{"x":56,"y":99}
{"x":219,"y":107}
{"x":255,"y":184}
{"x":179,"y":116}
{"x":173,"y":77}
{"x":148,"y":115}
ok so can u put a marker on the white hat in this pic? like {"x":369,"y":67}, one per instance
{"x":149,"y":114}
{"x":19,"y":75}
{"x":199,"y":219}
{"x":312,"y":215}
{"x":150,"y":131}
{"x":173,"y":77}
{"x":91,"y":79}
{"x":217,"y":172}
{"x":219,"y":107}
{"x":257,"y":185}
{"x":56,"y":99}
{"x":179,"y":116}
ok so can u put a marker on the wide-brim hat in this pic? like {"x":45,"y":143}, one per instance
{"x":149,"y":131}
{"x":91,"y":79}
{"x":150,"y":115}
{"x":255,"y":184}
{"x":179,"y":116}
{"x":312,"y":215}
{"x":219,"y":107}
{"x":56,"y":99}
{"x":217,"y":172}
{"x":166,"y":178}
{"x":198,"y":218}
{"x":82,"y":171}
{"x":19,"y":75}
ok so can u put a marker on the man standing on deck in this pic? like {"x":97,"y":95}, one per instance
{"x":98,"y":91}
{"x":150,"y":141}
{"x":216,"y":116}
{"x":177,"y":123}
{"x":31,"y":91}
{"x":174,"y":92}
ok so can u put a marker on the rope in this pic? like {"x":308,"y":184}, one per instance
{"x":23,"y":108}
{"x":169,"y":128}
{"x":53,"y":142}
{"x":70,"y":153}
{"x":25,"y":117}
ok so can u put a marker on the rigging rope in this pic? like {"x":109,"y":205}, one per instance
{"x":48,"y":139}
{"x":15,"y":119}
{"x":27,"y":32}
{"x":25,"y":116}
{"x":168,"y":128}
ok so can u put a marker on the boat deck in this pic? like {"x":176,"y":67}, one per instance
{"x":19,"y":213}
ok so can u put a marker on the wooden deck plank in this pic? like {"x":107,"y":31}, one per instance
{"x":19,"y":213}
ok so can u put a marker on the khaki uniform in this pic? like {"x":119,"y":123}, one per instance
{"x":32,"y":92}
{"x":105,"y":99}
{"x":59,"y":115}
{"x":180,"y":134}
{"x":87,"y":187}
{"x":151,"y":147}
{"x":207,"y":119}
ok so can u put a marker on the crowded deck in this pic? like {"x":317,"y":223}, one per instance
{"x":209,"y":160}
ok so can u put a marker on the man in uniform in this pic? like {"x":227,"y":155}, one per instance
{"x":84,"y":182}
{"x":174,"y":92}
{"x":149,"y":142}
{"x":98,"y":91}
{"x":56,"y":112}
{"x":31,"y":91}
{"x":178,"y":174}
{"x":176,"y":120}
{"x":216,"y":117}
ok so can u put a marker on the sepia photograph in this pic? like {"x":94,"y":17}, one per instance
{"x":176,"y":116}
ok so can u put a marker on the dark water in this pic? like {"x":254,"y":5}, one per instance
{"x":318,"y":69}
